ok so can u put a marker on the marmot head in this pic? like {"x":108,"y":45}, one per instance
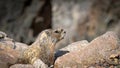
{"x":49,"y":36}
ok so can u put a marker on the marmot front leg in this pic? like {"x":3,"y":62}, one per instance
{"x":39,"y":64}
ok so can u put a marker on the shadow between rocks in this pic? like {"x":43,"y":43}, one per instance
{"x":60,"y":53}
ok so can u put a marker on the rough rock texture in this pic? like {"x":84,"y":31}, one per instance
{"x":103,"y":51}
{"x":3,"y":65}
{"x":76,"y":46}
{"x":22,"y":66}
{"x":7,"y":43}
{"x":24,"y":19}
{"x":20,"y":46}
{"x":37,"y":64}
{"x":85,"y":19}
{"x":10,"y":50}
{"x":8,"y":56}
{"x":7,"y":53}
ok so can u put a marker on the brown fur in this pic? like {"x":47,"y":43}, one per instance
{"x":43,"y":47}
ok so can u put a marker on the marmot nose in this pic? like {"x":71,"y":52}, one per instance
{"x":64,"y":32}
{"x":61,"y":30}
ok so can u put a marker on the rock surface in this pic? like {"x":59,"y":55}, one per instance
{"x":37,"y":64}
{"x":8,"y":56}
{"x":10,"y":51}
{"x":7,"y":42}
{"x":76,"y":46}
{"x":22,"y":66}
{"x":103,"y":51}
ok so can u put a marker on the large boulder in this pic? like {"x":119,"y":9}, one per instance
{"x":101,"y":52}
{"x":10,"y":51}
{"x":8,"y":56}
{"x":6,"y":42}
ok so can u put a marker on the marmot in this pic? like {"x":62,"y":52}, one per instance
{"x":43,"y":47}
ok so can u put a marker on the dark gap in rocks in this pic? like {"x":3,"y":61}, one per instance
{"x":31,"y":42}
{"x":43,"y":20}
{"x":60,"y":53}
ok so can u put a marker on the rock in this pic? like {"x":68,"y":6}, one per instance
{"x":8,"y":56}
{"x":97,"y":53}
{"x":22,"y":66}
{"x":10,"y":51}
{"x":39,"y":64}
{"x":2,"y":35}
{"x":3,"y":65}
{"x":20,"y":46}
{"x":6,"y":42}
{"x":76,"y":46}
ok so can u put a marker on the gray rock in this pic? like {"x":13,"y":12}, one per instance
{"x":8,"y":56}
{"x":103,"y":51}
{"x":76,"y":46}
{"x":39,"y":64}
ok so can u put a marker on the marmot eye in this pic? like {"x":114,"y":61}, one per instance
{"x":7,"y":36}
{"x":61,"y":30}
{"x":56,"y":31}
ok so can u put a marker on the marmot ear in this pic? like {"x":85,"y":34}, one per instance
{"x":47,"y":32}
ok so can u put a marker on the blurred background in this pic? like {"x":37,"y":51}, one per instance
{"x":23,"y":20}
